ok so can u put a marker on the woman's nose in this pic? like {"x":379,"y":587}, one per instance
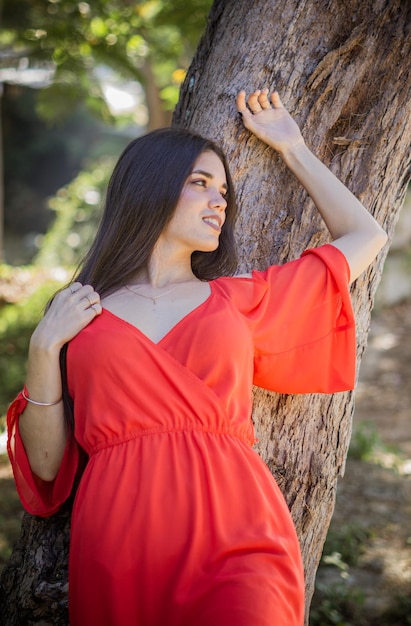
{"x":218,"y":201}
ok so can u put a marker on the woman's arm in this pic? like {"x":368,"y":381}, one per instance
{"x":42,"y":428}
{"x":354,"y":231}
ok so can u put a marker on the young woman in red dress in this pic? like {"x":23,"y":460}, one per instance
{"x":176,"y":519}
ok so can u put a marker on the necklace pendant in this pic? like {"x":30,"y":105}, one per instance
{"x":152,"y":298}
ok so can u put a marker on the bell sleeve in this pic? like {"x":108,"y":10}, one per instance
{"x":302,"y":323}
{"x":38,"y":497}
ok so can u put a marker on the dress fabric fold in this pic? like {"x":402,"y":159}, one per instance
{"x":177,"y":520}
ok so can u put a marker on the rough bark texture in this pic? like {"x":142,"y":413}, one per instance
{"x":34,"y":583}
{"x":343,"y":70}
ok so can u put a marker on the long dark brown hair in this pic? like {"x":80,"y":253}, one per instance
{"x":141,"y":199}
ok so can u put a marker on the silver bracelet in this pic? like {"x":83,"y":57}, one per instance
{"x":39,"y":403}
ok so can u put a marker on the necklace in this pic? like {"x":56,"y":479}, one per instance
{"x":152,"y":298}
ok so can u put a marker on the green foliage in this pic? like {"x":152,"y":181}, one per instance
{"x":50,"y":158}
{"x":76,"y":37}
{"x":364,"y":441}
{"x":17,"y":322}
{"x":336,"y":605}
{"x":340,"y":604}
{"x":348,"y":542}
{"x":399,"y":613}
{"x":366,"y":445}
{"x":77,"y":214}
{"x":80,"y":45}
{"x":338,"y":600}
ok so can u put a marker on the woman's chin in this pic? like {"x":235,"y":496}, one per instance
{"x":208,"y":248}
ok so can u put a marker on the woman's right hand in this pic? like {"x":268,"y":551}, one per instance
{"x":71,"y":310}
{"x":268,"y":119}
{"x":42,"y":428}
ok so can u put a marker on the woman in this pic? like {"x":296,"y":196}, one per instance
{"x":176,"y":519}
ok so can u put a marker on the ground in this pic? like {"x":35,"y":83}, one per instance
{"x":374,"y":497}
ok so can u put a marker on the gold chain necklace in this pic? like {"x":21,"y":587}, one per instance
{"x":152,"y":298}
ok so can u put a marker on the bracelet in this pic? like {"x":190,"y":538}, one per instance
{"x":39,"y":403}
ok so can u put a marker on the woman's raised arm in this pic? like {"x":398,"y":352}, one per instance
{"x":354,"y":231}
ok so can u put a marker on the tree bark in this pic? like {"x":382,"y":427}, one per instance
{"x":34,"y":583}
{"x":343,"y":71}
{"x":157,"y":117}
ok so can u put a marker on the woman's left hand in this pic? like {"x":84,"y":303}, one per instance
{"x":269,"y":120}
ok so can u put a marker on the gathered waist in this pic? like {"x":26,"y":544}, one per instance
{"x":238,"y":433}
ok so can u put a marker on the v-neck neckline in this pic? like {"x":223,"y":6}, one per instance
{"x":183,"y":319}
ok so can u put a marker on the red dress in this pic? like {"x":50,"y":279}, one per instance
{"x":177,"y":521}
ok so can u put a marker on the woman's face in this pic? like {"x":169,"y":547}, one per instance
{"x":200,"y":213}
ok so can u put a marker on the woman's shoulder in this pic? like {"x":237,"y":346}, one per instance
{"x":307,"y":273}
{"x":326,"y":254}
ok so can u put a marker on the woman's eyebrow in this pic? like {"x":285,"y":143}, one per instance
{"x":209,"y":176}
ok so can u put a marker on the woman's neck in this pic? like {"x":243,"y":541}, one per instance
{"x":160,"y":272}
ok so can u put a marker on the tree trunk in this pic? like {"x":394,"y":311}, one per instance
{"x":157,"y":117}
{"x":343,"y":71}
{"x":34,"y":583}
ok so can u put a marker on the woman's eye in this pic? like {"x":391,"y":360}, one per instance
{"x":200,"y":182}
